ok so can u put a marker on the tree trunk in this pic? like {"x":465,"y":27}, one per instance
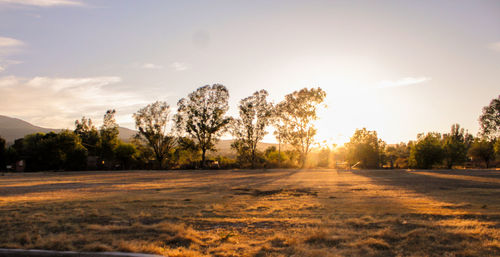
{"x":279,"y":150}
{"x":203,"y":151}
{"x":303,"y":158}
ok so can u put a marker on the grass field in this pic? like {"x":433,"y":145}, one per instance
{"x":255,"y":213}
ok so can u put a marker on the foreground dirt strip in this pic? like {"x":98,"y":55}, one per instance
{"x":44,"y":253}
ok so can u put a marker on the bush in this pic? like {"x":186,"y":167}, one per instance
{"x":427,"y":151}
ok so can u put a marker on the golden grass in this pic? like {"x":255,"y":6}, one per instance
{"x":254,"y":213}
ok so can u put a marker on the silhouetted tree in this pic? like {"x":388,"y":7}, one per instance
{"x":365,"y":147}
{"x":255,"y":115}
{"x":108,"y":137}
{"x":490,"y":119}
{"x":201,"y":116}
{"x":297,"y":112}
{"x":88,"y":133}
{"x":126,"y":154}
{"x":53,"y":151}
{"x":187,"y":152}
{"x":455,"y":146}
{"x":154,"y":125}
{"x":496,"y":147}
{"x":482,"y":149}
{"x":3,"y":154}
{"x":427,"y":151}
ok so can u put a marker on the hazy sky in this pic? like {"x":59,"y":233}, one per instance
{"x":397,"y":67}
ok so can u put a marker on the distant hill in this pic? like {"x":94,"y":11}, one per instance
{"x":13,"y":128}
{"x":126,"y":134}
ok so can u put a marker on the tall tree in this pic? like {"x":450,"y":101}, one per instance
{"x":154,"y":125}
{"x":490,"y":119}
{"x":201,"y":116}
{"x":455,"y":146}
{"x":255,"y":115}
{"x":109,"y":137}
{"x":88,"y":133}
{"x":366,"y":148}
{"x":297,"y":113}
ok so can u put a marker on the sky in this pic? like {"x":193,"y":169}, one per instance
{"x":397,"y":67}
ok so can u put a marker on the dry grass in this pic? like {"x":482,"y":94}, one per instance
{"x":255,"y":213}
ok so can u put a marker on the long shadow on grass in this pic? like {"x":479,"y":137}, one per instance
{"x":460,"y":193}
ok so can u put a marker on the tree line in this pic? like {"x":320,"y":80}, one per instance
{"x":432,"y":149}
{"x":183,"y":140}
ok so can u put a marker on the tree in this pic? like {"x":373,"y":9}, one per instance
{"x":187,"y":152}
{"x":74,"y":154}
{"x":497,"y":148}
{"x":126,"y":154}
{"x":255,"y":115}
{"x":297,"y":113}
{"x":401,"y":152}
{"x":455,"y":146}
{"x":88,"y":133}
{"x":201,"y":116}
{"x":490,"y":119}
{"x":365,"y":147}
{"x":53,"y":151}
{"x":482,"y":149}
{"x":274,"y":157}
{"x":153,"y":123}
{"x":427,"y":151}
{"x":109,"y":137}
{"x":391,"y":154}
{"x":3,"y":154}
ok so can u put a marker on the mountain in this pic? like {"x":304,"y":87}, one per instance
{"x":126,"y":134}
{"x":13,"y":128}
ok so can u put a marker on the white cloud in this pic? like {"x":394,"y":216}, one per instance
{"x":57,"y":102}
{"x":43,"y":3}
{"x":495,"y":46}
{"x":151,"y":66}
{"x":179,"y":66}
{"x":10,"y":42}
{"x":408,"y":81}
{"x":8,"y":46}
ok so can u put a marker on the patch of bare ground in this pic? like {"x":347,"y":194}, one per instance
{"x":255,"y":213}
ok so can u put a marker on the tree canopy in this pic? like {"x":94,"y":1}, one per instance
{"x":490,"y":119}
{"x":250,"y":128}
{"x":154,"y":125}
{"x":297,"y":113}
{"x":201,"y":116}
{"x":365,"y":147}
